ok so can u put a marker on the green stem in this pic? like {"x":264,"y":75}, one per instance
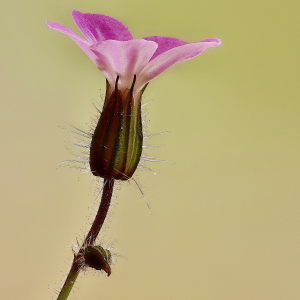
{"x":89,"y":239}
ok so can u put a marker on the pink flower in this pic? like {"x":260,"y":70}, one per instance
{"x":128,"y":65}
{"x":109,"y":44}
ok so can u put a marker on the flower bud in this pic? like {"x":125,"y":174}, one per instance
{"x":116,"y":145}
{"x":97,"y":258}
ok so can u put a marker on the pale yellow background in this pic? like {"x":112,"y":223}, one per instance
{"x":225,"y":221}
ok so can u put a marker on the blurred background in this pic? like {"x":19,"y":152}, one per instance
{"x":225,"y":214}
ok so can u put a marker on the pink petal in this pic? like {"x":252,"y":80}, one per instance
{"x":98,"y":28}
{"x":123,"y":58}
{"x":164,"y":44}
{"x":82,"y":43}
{"x":172,"y":57}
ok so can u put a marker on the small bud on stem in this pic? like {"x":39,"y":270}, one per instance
{"x":98,"y":258}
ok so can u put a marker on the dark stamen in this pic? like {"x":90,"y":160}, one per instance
{"x":116,"y":85}
{"x":133,"y":83}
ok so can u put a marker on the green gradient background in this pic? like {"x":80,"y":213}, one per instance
{"x":225,"y":217}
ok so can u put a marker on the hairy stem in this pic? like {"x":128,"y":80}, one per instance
{"x":89,"y":239}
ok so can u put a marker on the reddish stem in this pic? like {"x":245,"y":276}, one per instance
{"x":90,"y":238}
